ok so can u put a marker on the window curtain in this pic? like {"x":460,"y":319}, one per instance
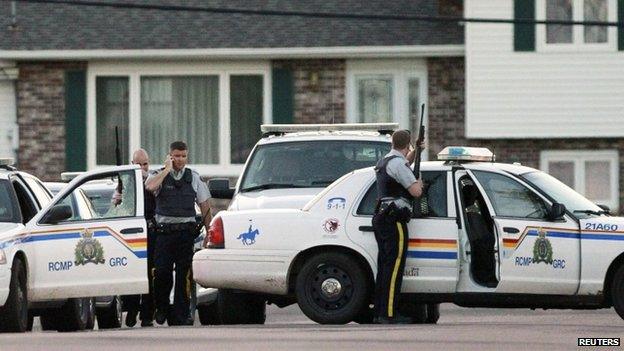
{"x":181,"y":108}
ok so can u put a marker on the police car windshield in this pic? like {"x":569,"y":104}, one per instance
{"x":9,"y":210}
{"x":308,"y":164}
{"x":558,"y":191}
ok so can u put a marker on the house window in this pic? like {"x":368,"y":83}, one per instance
{"x":557,"y":36}
{"x":374,"y":99}
{"x":111,"y":111}
{"x":181,"y":108}
{"x":382,"y":91}
{"x":217,"y":109}
{"x":593,"y":174}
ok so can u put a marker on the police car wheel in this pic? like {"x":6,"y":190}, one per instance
{"x":110,"y":317}
{"x":332,"y":288}
{"x":74,"y":315}
{"x":240,"y":308}
{"x":617,"y":291}
{"x":433,"y":313}
{"x":209,"y":314}
{"x":14,"y":313}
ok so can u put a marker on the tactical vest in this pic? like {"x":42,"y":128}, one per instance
{"x":150,"y":204}
{"x":386,"y":185}
{"x":176,"y":198}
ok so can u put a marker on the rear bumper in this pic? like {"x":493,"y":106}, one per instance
{"x":257,"y":271}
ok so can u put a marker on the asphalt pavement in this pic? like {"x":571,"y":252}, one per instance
{"x":288,"y":329}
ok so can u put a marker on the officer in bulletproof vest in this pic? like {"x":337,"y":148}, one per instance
{"x":143,"y":303}
{"x":396,"y":187}
{"x":177,"y":189}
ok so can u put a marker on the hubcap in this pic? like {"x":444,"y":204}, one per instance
{"x":331,"y":287}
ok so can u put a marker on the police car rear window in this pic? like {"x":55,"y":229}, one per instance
{"x":9,"y":211}
{"x":309,"y":164}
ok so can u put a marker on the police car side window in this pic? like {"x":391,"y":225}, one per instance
{"x":510,"y":198}
{"x":431,"y":204}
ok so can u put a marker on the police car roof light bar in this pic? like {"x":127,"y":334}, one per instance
{"x":278,"y":129}
{"x":467,"y":154}
{"x":7,"y":163}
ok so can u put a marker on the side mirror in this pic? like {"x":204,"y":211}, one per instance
{"x":604,"y":208}
{"x":220,"y":188}
{"x":58,"y":213}
{"x":556,"y":211}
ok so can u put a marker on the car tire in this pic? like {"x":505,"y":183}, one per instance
{"x":332,"y":288}
{"x":14,"y":313}
{"x":110,"y":317}
{"x":74,"y":315}
{"x":240,"y":308}
{"x":433,"y":313}
{"x":209,"y":314}
{"x":48,"y":320}
{"x":617,"y":291}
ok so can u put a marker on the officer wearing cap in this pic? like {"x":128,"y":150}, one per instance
{"x":396,"y":187}
{"x":177,"y":189}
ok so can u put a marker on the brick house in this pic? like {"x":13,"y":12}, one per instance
{"x":72,"y":73}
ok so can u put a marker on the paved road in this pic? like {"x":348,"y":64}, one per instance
{"x":288,"y":329}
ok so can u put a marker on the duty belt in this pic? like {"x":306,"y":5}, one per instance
{"x":175,"y":227}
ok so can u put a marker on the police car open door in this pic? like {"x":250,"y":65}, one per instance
{"x":514,"y":234}
{"x":91,"y":248}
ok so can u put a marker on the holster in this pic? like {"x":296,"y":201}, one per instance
{"x":392,"y":213}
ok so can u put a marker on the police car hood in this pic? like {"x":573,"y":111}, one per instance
{"x":9,"y":229}
{"x":274,"y":198}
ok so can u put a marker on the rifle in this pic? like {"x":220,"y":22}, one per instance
{"x":117,"y":151}
{"x":419,"y":140}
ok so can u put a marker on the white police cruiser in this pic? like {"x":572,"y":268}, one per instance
{"x":288,"y":166}
{"x":52,"y":261}
{"x":487,"y":235}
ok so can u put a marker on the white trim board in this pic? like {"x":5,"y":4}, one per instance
{"x":240,"y":53}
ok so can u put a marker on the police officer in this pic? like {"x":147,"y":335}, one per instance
{"x":177,"y":189}
{"x":143,"y":302}
{"x":396,"y":186}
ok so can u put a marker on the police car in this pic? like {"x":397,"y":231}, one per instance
{"x":52,"y":261}
{"x":288,"y":166}
{"x":487,"y":235}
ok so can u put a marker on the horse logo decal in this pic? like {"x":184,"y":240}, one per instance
{"x":249,"y":238}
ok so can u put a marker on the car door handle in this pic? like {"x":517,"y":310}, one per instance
{"x":511,"y":230}
{"x":132,"y":230}
{"x":366,"y":228}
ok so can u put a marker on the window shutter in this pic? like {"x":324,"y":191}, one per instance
{"x":524,"y":33}
{"x":620,"y":19}
{"x":283,"y":87}
{"x":75,"y":121}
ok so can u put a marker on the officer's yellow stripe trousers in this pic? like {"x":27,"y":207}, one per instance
{"x":395,"y":271}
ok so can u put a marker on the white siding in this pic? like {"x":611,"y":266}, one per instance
{"x":537,"y":94}
{"x":8,"y":118}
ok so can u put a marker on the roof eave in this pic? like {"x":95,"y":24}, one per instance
{"x":452,"y":50}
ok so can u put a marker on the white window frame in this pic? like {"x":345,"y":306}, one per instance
{"x":578,"y":41}
{"x":135,"y":70}
{"x":578,"y":157}
{"x":401,"y":71}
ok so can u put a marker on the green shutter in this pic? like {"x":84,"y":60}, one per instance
{"x":620,"y":28}
{"x":283,"y":88}
{"x":524,"y":33}
{"x":75,"y":121}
